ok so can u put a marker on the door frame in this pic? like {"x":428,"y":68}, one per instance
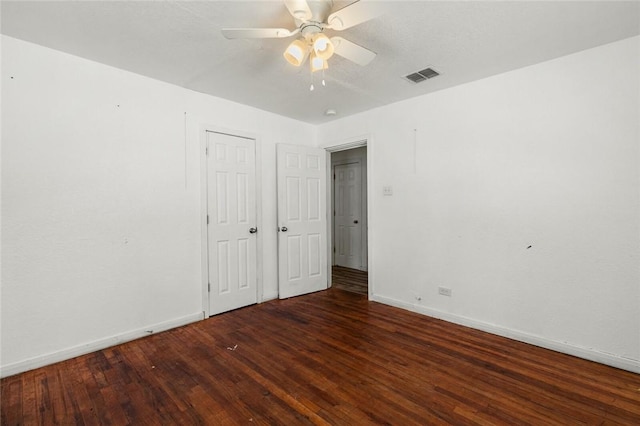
{"x":343,"y":145}
{"x":204,"y":202}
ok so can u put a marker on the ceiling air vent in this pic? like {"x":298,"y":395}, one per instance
{"x":423,"y":75}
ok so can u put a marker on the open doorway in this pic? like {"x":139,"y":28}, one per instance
{"x":349,"y":220}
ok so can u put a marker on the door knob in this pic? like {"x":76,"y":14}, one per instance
{"x":253,"y":230}
{"x":355,"y":221}
{"x":284,"y":229}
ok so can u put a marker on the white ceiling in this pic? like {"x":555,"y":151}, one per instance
{"x":180,"y":42}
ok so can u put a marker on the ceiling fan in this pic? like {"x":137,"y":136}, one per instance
{"x":312,"y":19}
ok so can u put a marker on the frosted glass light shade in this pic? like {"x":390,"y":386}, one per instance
{"x":322,"y":46}
{"x":317,"y":63}
{"x":296,"y":53}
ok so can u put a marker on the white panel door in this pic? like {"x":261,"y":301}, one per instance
{"x":232,"y":217}
{"x":348,"y":215}
{"x":302,"y":220}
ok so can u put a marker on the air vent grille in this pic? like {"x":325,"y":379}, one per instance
{"x":416,"y":77}
{"x":423,"y":75}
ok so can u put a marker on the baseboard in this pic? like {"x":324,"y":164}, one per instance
{"x":42,"y":360}
{"x":580,"y":352}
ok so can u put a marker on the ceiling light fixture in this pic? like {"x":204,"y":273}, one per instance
{"x":322,"y":46}
{"x":318,"y":46}
{"x":296,"y":53}
{"x":312,"y":18}
{"x":317,"y":63}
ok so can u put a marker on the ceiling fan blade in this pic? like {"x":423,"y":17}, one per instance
{"x":354,"y":14}
{"x":232,"y":33}
{"x":351,"y":51}
{"x":299,"y":9}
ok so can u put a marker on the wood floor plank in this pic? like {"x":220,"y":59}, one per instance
{"x":348,"y":279}
{"x":326,"y":358}
{"x":13,"y":402}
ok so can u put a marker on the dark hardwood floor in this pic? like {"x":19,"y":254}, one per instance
{"x":349,"y":279}
{"x":326,"y":358}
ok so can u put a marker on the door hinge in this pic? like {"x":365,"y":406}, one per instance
{"x":334,"y":249}
{"x":206,"y":150}
{"x":207,"y":219}
{"x":209,"y":287}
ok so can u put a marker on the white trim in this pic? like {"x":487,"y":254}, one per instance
{"x":259,"y":238}
{"x":580,"y":352}
{"x":329,"y":203}
{"x":96,"y":345}
{"x":204,"y":240}
{"x":204,"y":243}
{"x":350,"y":143}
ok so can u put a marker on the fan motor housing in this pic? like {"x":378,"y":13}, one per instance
{"x":320,"y":11}
{"x":309,"y":29}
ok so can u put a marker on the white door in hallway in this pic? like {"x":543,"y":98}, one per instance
{"x":232,"y":217}
{"x":348,"y":215}
{"x":302,"y":220}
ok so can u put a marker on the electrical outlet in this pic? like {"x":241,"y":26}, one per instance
{"x":387,"y":190}
{"x":444,"y":291}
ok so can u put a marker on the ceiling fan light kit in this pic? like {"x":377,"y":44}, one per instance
{"x":317,"y":63}
{"x":311,"y":20}
{"x":296,"y":53}
{"x":322,"y":46}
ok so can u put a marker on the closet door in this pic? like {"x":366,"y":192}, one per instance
{"x":231,"y":217}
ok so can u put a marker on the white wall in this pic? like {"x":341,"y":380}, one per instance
{"x":101,"y":202}
{"x":101,"y":234}
{"x":546,"y":156}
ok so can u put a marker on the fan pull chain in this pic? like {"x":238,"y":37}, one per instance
{"x":323,"y":83}
{"x":311,"y":77}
